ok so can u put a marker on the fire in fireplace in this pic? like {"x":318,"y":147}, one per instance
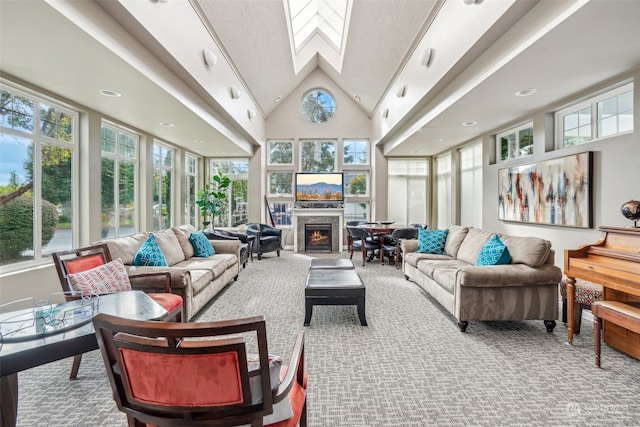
{"x":317,"y":237}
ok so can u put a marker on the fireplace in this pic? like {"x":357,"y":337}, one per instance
{"x":317,"y":237}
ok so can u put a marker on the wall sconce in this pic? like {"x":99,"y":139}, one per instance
{"x":234,"y":92}
{"x":425,"y":57}
{"x":251,"y":114}
{"x":401,"y":91}
{"x":385,"y":113}
{"x":210,"y":58}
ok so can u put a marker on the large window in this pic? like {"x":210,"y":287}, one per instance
{"x":443,"y":191}
{"x":604,"y":115}
{"x":407,"y":190}
{"x":37,"y":146}
{"x":471,"y":185}
{"x":317,"y":106}
{"x":356,"y":152}
{"x":280,"y":153}
{"x":317,"y":156}
{"x":516,"y":142}
{"x":236,"y":208}
{"x":191,"y":190}
{"x":163,"y":158}
{"x":118,"y":192}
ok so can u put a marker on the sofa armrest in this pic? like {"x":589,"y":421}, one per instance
{"x":180,"y":277}
{"x":227,"y":247}
{"x":151,"y":282}
{"x":409,"y":245}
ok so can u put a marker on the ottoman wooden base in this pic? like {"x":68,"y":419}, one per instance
{"x":334,"y":287}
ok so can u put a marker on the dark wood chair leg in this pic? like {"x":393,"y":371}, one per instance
{"x":577,"y":317}
{"x":596,"y":339}
{"x":75,"y":366}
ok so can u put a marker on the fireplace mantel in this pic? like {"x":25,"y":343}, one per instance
{"x":320,"y":216}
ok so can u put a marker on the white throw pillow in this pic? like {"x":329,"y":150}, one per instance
{"x":104,"y":279}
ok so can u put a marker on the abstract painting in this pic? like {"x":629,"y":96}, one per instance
{"x":555,"y":192}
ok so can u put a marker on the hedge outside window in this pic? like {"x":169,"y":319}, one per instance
{"x":35,"y":133}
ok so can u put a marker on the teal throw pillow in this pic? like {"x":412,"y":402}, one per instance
{"x":150,"y":254}
{"x":494,"y":252}
{"x":201,"y":245}
{"x":431,"y":241}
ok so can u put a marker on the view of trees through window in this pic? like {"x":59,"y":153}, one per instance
{"x":35,"y":205}
{"x":236,"y":212}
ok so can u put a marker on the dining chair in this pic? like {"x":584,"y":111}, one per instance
{"x":360,"y":240}
{"x":391,"y":244}
{"x":213,"y":373}
{"x":91,"y":270}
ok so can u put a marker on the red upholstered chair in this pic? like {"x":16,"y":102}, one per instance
{"x":156,"y":285}
{"x":199,"y":374}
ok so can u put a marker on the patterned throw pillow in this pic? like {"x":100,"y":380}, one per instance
{"x":104,"y":279}
{"x":150,"y":254}
{"x":201,"y":245}
{"x":431,"y":241}
{"x":494,"y":252}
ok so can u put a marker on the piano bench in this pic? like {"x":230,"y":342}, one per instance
{"x":586,"y":294}
{"x":625,"y":315}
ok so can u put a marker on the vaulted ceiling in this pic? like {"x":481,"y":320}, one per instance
{"x":481,"y":53}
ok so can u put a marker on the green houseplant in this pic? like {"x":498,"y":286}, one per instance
{"x":212,"y":199}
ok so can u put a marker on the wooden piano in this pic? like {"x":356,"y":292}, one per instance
{"x":614,"y":263}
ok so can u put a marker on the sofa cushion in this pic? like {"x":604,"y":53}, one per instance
{"x":532,"y":251}
{"x":494,"y":252}
{"x":150,"y":254}
{"x":446,"y":278}
{"x":200,"y":279}
{"x":217,"y":264}
{"x":125,"y":247}
{"x":432,"y":241}
{"x":455,"y":237}
{"x":103,"y":279}
{"x":472,"y":243}
{"x":428,"y":267}
{"x":413,"y":258}
{"x":182,"y":234}
{"x":201,"y":245}
{"x":510,"y":275}
{"x":170,"y":246}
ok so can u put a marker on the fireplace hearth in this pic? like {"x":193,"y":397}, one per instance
{"x":317,"y":237}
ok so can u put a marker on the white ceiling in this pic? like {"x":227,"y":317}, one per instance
{"x":152,"y":52}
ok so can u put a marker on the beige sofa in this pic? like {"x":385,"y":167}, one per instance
{"x":524,"y":289}
{"x":196,"y":279}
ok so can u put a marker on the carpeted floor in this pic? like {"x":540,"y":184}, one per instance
{"x":410,"y":367}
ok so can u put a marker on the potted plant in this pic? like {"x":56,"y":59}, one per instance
{"x":212,"y":199}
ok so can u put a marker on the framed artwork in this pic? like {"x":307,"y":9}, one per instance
{"x":554,"y":192}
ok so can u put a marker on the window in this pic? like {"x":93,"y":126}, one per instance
{"x":317,"y":156}
{"x":119,"y":148}
{"x":443,"y":191}
{"x":356,"y":152}
{"x":516,"y":142}
{"x":162,"y":186}
{"x":280,"y":183}
{"x":280,"y":153}
{"x":356,"y":183}
{"x":37,"y":143}
{"x":471,"y":185}
{"x":317,"y":106}
{"x":281,"y":212}
{"x":407,"y":190}
{"x":191,"y":190}
{"x":604,"y":115}
{"x":236,"y":209}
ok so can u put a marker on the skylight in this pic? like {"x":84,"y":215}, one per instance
{"x":317,"y":27}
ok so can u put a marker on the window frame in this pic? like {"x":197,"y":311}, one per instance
{"x":161,"y":167}
{"x":516,"y":130}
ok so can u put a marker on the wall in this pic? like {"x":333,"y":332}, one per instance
{"x":615,"y":180}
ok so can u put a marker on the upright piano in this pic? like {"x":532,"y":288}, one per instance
{"x":613,"y":262}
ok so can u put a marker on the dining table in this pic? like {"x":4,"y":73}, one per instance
{"x":379,"y":229}
{"x":35,"y":344}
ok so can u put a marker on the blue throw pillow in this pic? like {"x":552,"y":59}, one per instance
{"x":201,"y":245}
{"x":494,"y":252}
{"x":431,"y":241}
{"x":150,"y":254}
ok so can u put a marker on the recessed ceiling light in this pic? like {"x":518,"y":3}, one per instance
{"x":526,"y":92}
{"x":469,"y":123}
{"x":356,"y":97}
{"x":198,"y":141}
{"x":278,"y":99}
{"x":437,"y":140}
{"x":167,"y":124}
{"x":111,"y":93}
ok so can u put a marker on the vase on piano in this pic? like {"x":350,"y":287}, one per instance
{"x":631,"y":210}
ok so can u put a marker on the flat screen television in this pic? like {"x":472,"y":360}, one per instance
{"x":319,"y":187}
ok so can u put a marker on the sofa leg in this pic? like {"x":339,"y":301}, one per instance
{"x":235,"y":278}
{"x":278,"y":252}
{"x":463,"y":325}
{"x":406,"y":277}
{"x":550,"y":325}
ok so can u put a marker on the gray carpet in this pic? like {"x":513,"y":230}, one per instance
{"x":410,"y":367}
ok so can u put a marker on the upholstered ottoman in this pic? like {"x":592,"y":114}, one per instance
{"x":586,"y":294}
{"x":334,"y":287}
{"x":331,"y":264}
